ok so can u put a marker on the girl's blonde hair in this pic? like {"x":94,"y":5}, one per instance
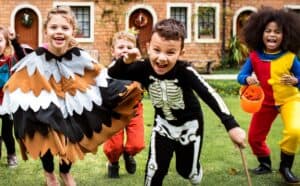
{"x":127,"y":35}
{"x":67,"y":13}
{"x":8,"y":48}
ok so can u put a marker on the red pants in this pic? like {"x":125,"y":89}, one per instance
{"x":259,"y":128}
{"x":116,"y":145}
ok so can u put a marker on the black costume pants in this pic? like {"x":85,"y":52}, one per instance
{"x":7,"y":134}
{"x":161,"y":152}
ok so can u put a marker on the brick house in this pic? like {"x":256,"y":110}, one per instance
{"x":209,"y":24}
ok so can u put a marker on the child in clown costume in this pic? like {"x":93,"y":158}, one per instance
{"x":273,"y":37}
{"x":63,"y":102}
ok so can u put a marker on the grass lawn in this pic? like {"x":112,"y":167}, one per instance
{"x":221,"y":161}
{"x":226,"y":71}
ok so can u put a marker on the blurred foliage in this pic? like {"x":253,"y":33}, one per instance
{"x":235,"y":53}
{"x":225,"y":87}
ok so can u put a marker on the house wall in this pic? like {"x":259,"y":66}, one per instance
{"x":106,"y":22}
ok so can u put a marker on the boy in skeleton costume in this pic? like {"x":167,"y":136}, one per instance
{"x":171,"y":84}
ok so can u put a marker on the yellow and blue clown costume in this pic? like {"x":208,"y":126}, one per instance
{"x":279,"y":99}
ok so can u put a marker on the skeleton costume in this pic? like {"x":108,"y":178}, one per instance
{"x":67,"y":105}
{"x":178,"y":125}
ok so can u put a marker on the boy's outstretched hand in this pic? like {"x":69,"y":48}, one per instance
{"x":238,"y":136}
{"x":132,"y":55}
{"x":11,"y":33}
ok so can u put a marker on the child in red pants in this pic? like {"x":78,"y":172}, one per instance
{"x":273,"y":36}
{"x":133,"y":143}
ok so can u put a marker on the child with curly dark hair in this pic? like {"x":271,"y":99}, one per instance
{"x":273,"y":38}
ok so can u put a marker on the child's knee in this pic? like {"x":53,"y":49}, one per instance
{"x":293,"y":134}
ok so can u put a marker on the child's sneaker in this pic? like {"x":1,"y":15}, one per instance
{"x":130,"y":163}
{"x":113,"y":170}
{"x":12,"y":161}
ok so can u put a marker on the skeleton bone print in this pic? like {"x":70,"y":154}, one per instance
{"x":166,"y":94}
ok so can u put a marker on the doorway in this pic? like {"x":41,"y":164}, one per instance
{"x":26,"y":27}
{"x":142,"y":21}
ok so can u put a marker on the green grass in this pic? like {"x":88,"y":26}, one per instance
{"x":226,"y":71}
{"x":222,"y":162}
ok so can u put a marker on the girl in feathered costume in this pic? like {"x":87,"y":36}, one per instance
{"x":274,"y":37}
{"x":63,"y":102}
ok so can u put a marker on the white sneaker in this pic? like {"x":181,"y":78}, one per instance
{"x":12,"y":161}
{"x":196,"y":178}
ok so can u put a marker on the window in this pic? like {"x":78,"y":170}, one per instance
{"x":181,"y":12}
{"x":207,"y":22}
{"x":83,"y":21}
{"x":295,"y":8}
{"x":84,"y":12}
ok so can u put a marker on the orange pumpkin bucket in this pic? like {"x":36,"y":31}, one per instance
{"x":251,"y":98}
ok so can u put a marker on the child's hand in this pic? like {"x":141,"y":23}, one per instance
{"x":11,"y":34}
{"x":287,"y":79}
{"x":238,"y":136}
{"x":132,"y":55}
{"x":252,"y":80}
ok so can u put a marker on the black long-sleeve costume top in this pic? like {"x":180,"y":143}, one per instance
{"x":173,"y":94}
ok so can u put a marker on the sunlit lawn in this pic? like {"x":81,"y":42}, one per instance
{"x":222,"y":163}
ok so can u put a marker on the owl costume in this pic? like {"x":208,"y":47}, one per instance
{"x":66,"y":104}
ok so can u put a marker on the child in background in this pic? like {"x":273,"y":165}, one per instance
{"x":116,"y":145}
{"x":7,"y":56}
{"x":172,"y":84}
{"x":273,"y":37}
{"x":63,"y":102}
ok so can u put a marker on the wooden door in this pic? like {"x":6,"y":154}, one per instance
{"x":142,"y":21}
{"x":26,"y":27}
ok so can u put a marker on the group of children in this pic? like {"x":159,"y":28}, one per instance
{"x":65,"y":103}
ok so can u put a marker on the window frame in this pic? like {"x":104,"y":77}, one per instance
{"x":216,"y":39}
{"x":292,"y":7}
{"x":92,"y":19}
{"x":189,"y":17}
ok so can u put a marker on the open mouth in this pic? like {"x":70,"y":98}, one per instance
{"x":272,"y":42}
{"x":59,"y":40}
{"x":161,"y":65}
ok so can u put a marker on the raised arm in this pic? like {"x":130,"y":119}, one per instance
{"x":216,"y":103}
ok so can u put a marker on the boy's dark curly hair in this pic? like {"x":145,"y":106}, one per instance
{"x":288,"y":21}
{"x":170,"y":29}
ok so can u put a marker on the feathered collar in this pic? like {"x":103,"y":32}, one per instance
{"x":48,"y":55}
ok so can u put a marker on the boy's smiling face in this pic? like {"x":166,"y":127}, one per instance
{"x":163,"y":53}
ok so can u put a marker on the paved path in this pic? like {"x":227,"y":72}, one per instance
{"x":220,"y":76}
